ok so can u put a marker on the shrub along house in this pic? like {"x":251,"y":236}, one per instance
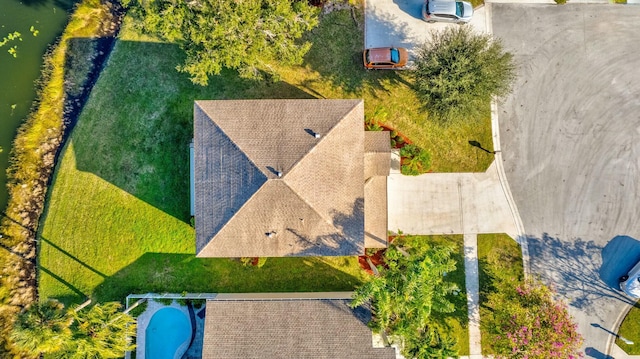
{"x":274,"y":178}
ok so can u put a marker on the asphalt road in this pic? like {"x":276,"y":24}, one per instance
{"x":570,"y":135}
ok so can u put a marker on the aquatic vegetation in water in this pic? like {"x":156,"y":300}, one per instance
{"x":13,"y":36}
{"x":13,"y":51}
{"x":34,"y":31}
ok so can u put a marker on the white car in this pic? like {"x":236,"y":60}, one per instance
{"x":457,"y":11}
{"x":630,"y":283}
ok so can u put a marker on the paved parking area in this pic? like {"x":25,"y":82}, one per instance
{"x":399,"y":23}
{"x":570,"y":136}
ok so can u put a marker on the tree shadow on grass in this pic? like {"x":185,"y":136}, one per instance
{"x":336,"y":54}
{"x":136,"y":127}
{"x":175,"y":273}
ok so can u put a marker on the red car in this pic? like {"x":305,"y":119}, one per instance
{"x":385,"y":58}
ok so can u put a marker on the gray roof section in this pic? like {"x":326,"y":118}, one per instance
{"x":296,"y":328}
{"x":244,"y":209}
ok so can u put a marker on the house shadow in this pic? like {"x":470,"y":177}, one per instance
{"x":135,"y":129}
{"x":351,"y":226}
{"x":580,"y":270}
{"x":177,"y":273}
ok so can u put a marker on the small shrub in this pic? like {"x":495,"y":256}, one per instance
{"x":165,"y":301}
{"x":560,"y":2}
{"x":261,"y":262}
{"x":198,"y":303}
{"x":135,"y":312}
{"x":372,"y":125}
{"x":416,"y":160}
{"x":246,"y":261}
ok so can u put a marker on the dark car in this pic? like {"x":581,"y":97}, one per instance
{"x":447,"y":11}
{"x":385,"y":58}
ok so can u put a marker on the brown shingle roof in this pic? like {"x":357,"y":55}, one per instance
{"x":295,"y":328}
{"x":314,"y":208}
{"x":377,"y":162}
{"x":377,"y":153}
{"x":375,"y":212}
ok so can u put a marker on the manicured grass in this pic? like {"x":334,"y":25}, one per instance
{"x":630,"y":329}
{"x":333,"y":69}
{"x":493,"y":248}
{"x":117,"y":219}
{"x":458,"y":321}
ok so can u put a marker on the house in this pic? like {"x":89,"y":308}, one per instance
{"x":288,"y":325}
{"x":275,"y":178}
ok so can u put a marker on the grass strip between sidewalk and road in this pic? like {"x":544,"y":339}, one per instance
{"x":493,"y":247}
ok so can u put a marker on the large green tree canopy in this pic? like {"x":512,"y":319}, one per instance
{"x":245,"y":35}
{"x":407,"y":291}
{"x":458,"y":71}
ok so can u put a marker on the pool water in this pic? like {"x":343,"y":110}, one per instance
{"x":168,"y":334}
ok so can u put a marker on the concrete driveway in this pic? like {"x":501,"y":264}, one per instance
{"x":399,"y":23}
{"x":455,"y":203}
{"x":570,"y":136}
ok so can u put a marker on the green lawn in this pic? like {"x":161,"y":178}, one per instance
{"x":630,"y":329}
{"x":117,"y":217}
{"x":494,"y":248}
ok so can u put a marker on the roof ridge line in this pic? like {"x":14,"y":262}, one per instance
{"x":313,"y":208}
{"x":303,"y":157}
{"x":232,"y":141}
{"x":322,"y":137}
{"x":232,"y":217}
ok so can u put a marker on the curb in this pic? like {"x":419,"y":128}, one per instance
{"x":520,"y":235}
{"x":616,"y":326}
{"x":495,"y":134}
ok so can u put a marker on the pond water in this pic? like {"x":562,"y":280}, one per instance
{"x":39,"y":23}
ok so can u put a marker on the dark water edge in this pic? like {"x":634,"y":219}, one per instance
{"x":19,"y":74}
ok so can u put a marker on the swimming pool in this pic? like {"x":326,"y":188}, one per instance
{"x":168,"y":334}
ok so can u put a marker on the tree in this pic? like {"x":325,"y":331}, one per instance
{"x":458,"y":71}
{"x":409,"y":289}
{"x":100,"y":332}
{"x":527,"y":323}
{"x":42,"y":328}
{"x":245,"y":35}
{"x":429,"y":343}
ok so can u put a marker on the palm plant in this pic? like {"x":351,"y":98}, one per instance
{"x":410,"y":289}
{"x":429,"y":343}
{"x":42,"y":328}
{"x":100,"y":332}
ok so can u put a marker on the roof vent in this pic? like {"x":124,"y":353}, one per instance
{"x":279,"y":174}
{"x":317,"y":135}
{"x":270,"y":234}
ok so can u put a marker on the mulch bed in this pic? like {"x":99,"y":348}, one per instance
{"x":377,"y":258}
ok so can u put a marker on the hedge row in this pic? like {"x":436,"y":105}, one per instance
{"x":69,"y":69}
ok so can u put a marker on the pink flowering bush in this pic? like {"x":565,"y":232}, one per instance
{"x":527,"y":323}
